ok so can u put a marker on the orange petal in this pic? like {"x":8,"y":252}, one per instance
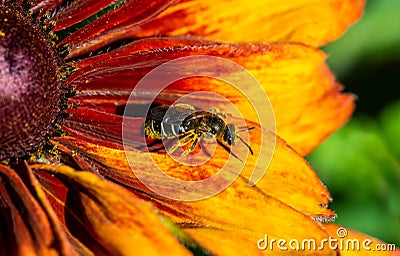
{"x":222,"y":242}
{"x":120,"y":223}
{"x":310,"y":22}
{"x":247,"y":213}
{"x":306,"y":100}
{"x":247,"y":210}
{"x":353,"y":243}
{"x":289,"y":178}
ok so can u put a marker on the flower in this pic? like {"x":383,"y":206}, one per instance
{"x":67,"y":70}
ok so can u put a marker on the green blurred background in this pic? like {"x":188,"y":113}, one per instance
{"x":360,"y":164}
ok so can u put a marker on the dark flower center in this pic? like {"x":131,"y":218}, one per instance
{"x":29,"y":85}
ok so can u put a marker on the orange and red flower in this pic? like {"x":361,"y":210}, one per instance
{"x":83,"y":198}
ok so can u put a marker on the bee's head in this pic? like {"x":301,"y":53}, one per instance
{"x":230,"y":134}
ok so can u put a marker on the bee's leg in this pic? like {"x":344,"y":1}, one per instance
{"x":193,"y":145}
{"x":184,"y":139}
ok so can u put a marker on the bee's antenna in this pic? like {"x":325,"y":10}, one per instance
{"x":246,"y":128}
{"x":245,"y":143}
{"x":229,"y":150}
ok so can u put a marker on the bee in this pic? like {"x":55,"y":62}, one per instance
{"x":190,"y":125}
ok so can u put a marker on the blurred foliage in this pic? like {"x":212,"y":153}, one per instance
{"x":374,"y":39}
{"x":360,"y":164}
{"x":367,"y":58}
{"x":361,"y":168}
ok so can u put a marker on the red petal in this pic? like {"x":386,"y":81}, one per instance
{"x":306,"y":100}
{"x":309,"y":22}
{"x":79,"y":10}
{"x":33,"y":227}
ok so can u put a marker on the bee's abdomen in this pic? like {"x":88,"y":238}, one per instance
{"x":152,"y":129}
{"x":160,"y":130}
{"x":170,"y":130}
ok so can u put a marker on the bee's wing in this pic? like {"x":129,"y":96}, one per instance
{"x":172,"y":115}
{"x":176,"y":115}
{"x":158,"y":112}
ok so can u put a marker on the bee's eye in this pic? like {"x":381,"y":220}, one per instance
{"x":229,"y":140}
{"x":229,"y":134}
